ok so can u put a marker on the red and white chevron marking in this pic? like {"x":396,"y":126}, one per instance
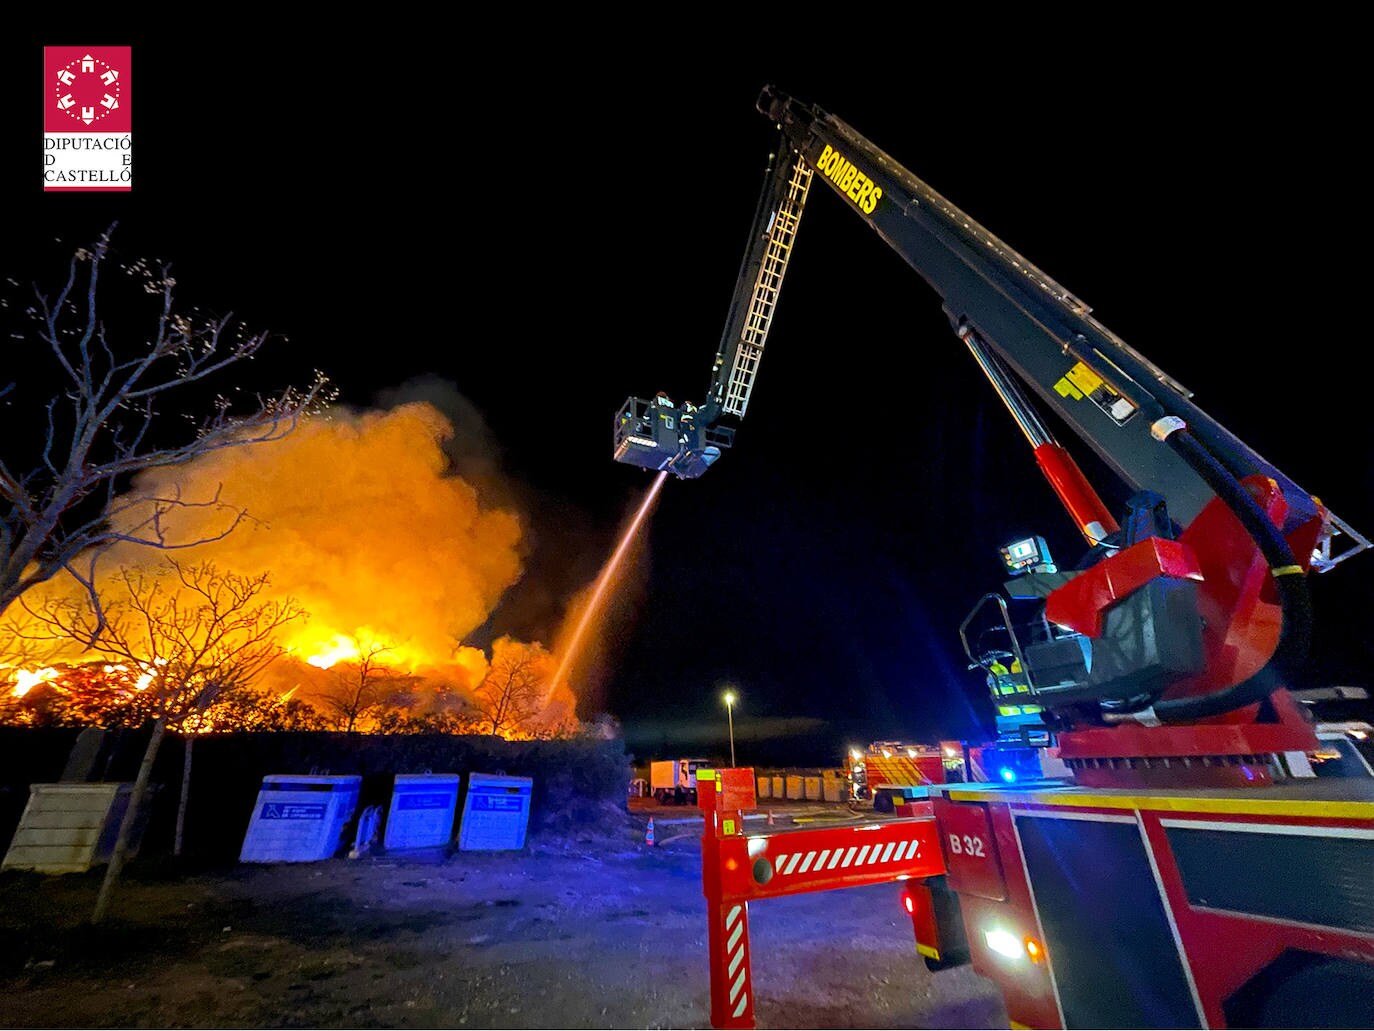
{"x":736,"y":954}
{"x":854,"y":857}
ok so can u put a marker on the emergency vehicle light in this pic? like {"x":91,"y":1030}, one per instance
{"x":1004,"y":943}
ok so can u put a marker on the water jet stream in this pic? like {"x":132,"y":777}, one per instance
{"x":604,"y":579}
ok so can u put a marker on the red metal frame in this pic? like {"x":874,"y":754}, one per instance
{"x":737,"y":869}
{"x":1240,"y":629}
{"x":1079,"y":604}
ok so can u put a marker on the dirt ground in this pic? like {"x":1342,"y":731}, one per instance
{"x":593,"y":931}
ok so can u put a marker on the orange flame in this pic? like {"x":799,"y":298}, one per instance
{"x":26,"y":680}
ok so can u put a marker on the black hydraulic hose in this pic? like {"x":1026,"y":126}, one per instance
{"x":1295,"y":601}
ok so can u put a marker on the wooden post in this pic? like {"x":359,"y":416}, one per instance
{"x":126,"y":826}
{"x":185,"y":793}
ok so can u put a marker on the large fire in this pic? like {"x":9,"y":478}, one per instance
{"x":395,"y":560}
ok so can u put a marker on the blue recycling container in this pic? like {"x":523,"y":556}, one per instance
{"x":299,"y":819}
{"x":423,"y":806}
{"x":496,"y":812}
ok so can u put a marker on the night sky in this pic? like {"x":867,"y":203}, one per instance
{"x":550,"y":230}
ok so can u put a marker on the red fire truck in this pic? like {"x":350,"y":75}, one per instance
{"x":888,"y":772}
{"x":1187,"y":869}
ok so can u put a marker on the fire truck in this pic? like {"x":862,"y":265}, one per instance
{"x":1186,"y":869}
{"x":887,"y":773}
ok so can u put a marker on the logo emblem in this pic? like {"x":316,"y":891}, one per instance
{"x":87,"y":89}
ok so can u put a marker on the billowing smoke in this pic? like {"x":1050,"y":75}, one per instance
{"x":396,"y":534}
{"x":356,"y":517}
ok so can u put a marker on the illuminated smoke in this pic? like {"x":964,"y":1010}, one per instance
{"x":354,"y":516}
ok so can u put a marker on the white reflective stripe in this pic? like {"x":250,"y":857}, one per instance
{"x":1272,"y":828}
{"x":849,"y":856}
{"x":743,"y":1002}
{"x":901,"y":847}
{"x":820,"y":859}
{"x":778,"y":861}
{"x":806,"y":863}
{"x":1173,"y":924}
{"x":887,"y":852}
{"x":835,"y":859}
{"x":735,"y":988}
{"x":732,"y":916}
{"x":862,"y":852}
{"x":792,"y":862}
{"x":734,"y":937}
{"x":739,"y":958}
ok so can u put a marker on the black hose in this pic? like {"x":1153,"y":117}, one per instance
{"x":1295,"y":602}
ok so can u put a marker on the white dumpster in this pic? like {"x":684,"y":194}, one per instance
{"x":299,"y":819}
{"x":496,"y":812}
{"x":422,"y":810}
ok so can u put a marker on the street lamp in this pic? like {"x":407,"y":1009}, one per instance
{"x":730,"y":715}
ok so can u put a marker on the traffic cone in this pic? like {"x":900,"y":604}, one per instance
{"x":649,"y":834}
{"x":770,"y":818}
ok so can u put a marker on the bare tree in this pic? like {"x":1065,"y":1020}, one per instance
{"x":98,"y":415}
{"x":196,"y":632}
{"x":359,"y":688}
{"x":510,"y":695}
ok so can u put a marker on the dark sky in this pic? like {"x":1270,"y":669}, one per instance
{"x":552,"y":220}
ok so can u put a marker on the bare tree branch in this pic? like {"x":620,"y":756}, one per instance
{"x":102,"y":424}
{"x":509,"y":697}
{"x":193,"y":632}
{"x":359,"y":688}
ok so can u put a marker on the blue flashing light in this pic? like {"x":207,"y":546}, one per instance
{"x":1007,"y":774}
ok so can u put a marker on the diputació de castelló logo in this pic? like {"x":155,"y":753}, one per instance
{"x":87,"y":118}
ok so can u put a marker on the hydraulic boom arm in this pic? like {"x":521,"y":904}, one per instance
{"x":1037,"y":343}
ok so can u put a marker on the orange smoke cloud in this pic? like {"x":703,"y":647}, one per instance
{"x":352,"y":515}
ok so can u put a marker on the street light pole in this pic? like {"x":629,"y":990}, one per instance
{"x":730,"y":716}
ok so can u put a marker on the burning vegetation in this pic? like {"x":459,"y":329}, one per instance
{"x":343,"y":601}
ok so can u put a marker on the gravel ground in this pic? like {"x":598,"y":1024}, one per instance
{"x":591,"y":931}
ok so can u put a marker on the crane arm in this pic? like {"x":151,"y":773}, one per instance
{"x":1194,"y":622}
{"x":1104,"y":389}
{"x":685,"y":438}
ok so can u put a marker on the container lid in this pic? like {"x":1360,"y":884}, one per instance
{"x":404,"y":780}
{"x":287,"y":780}
{"x":494,"y":780}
